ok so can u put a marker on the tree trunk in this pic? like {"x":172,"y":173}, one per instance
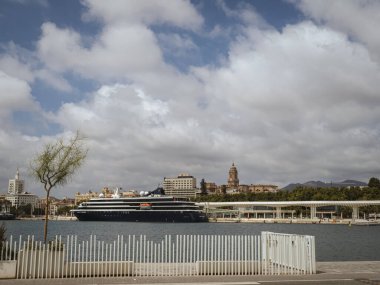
{"x":46,"y":215}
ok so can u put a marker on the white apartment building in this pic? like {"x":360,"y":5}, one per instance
{"x":22,"y":199}
{"x":17,"y":195}
{"x":183,"y":186}
{"x":16,"y":186}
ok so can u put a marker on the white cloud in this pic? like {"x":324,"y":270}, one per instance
{"x":359,"y":19}
{"x":113,"y":111}
{"x":15,"y":96}
{"x":126,"y":48}
{"x":22,"y":64}
{"x":116,"y":54}
{"x":178,"y":13}
{"x":15,"y":68}
{"x":298,"y":59}
{"x":59,"y":49}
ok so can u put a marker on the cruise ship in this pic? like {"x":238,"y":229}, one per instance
{"x":148,"y":207}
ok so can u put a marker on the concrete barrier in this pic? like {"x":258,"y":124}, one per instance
{"x":228,"y":267}
{"x":8,"y":269}
{"x":52,"y":264}
{"x":99,"y":269}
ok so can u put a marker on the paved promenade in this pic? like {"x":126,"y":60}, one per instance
{"x":352,"y":273}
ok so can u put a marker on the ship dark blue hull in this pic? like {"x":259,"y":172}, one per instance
{"x":143,"y":216}
{"x":154,"y":207}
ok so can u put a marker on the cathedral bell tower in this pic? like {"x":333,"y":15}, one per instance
{"x":233,"y":180}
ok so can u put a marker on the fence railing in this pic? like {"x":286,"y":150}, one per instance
{"x":288,"y":253}
{"x":8,"y":250}
{"x":179,"y":255}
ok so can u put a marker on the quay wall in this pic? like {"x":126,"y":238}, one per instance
{"x":281,"y":221}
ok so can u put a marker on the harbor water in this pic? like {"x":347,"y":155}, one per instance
{"x":333,"y":242}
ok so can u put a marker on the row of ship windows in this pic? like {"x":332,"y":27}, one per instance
{"x":138,"y":207}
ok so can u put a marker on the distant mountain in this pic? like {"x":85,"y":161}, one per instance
{"x":352,"y":183}
{"x":291,"y":186}
{"x":316,"y":184}
{"x":320,"y":184}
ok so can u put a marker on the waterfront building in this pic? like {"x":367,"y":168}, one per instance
{"x":183,"y":193}
{"x":22,"y":199}
{"x":243,"y":188}
{"x":211,"y":187}
{"x":182,"y":181}
{"x":183,"y":186}
{"x":106,"y":192}
{"x":57,"y":205}
{"x":17,"y":195}
{"x":79,"y":197}
{"x":16,"y":185}
{"x":221,"y":189}
{"x":128,"y":194}
{"x":258,"y":188}
{"x":52,"y":202}
{"x":53,"y":209}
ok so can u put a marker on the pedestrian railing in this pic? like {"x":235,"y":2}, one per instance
{"x":8,"y":250}
{"x":288,"y":253}
{"x":178,"y":255}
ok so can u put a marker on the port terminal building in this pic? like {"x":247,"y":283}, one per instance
{"x":282,"y":209}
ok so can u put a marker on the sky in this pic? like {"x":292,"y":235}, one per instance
{"x":287,"y":90}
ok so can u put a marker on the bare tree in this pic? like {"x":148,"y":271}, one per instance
{"x":56,"y":165}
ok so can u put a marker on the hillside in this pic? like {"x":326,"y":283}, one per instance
{"x":320,"y":184}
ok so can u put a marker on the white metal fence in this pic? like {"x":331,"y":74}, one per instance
{"x":288,"y":254}
{"x":8,"y":250}
{"x":179,"y":255}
